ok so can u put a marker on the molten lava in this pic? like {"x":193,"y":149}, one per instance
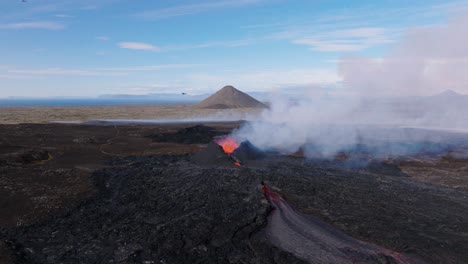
{"x":228,"y":144}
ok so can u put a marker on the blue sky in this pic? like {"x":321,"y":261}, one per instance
{"x":88,"y":48}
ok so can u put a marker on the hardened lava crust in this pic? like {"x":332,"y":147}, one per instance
{"x":111,"y":194}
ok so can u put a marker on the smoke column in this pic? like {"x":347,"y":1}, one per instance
{"x":380,"y":99}
{"x":428,"y":60}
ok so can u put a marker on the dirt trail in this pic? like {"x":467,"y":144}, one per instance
{"x":311,"y":239}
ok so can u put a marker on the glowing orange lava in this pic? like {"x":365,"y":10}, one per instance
{"x":228,"y":144}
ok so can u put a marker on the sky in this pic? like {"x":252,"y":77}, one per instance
{"x":85,"y":48}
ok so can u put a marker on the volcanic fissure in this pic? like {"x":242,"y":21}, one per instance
{"x":308,"y":237}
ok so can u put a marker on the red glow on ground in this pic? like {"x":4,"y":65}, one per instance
{"x":228,"y":144}
{"x":237,"y":164}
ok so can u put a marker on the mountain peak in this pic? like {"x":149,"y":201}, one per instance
{"x":229,"y":87}
{"x":448,"y":93}
{"x":230,"y":97}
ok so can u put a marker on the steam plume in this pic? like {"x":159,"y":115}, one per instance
{"x":427,"y":60}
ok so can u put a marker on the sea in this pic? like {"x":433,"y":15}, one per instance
{"x":84,"y":102}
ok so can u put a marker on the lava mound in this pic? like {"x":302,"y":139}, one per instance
{"x":213,"y":155}
{"x":225,"y":151}
{"x":247,"y":152}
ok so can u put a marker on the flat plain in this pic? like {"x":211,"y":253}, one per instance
{"x":45,"y":114}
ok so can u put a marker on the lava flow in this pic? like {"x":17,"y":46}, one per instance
{"x":315,"y":241}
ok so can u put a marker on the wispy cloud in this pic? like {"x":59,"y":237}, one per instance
{"x":61,"y":71}
{"x":266,"y":80}
{"x":355,"y":39}
{"x":151,"y":88}
{"x":331,"y":46}
{"x":211,"y":44}
{"x":61,"y":9}
{"x":150,"y":67}
{"x":354,"y":29}
{"x":33,"y":25}
{"x":11,"y":72}
{"x":63,"y":16}
{"x":103,"y":38}
{"x":190,"y":9}
{"x":138,"y":46}
{"x":201,"y":82}
{"x":16,"y":77}
{"x":228,"y":43}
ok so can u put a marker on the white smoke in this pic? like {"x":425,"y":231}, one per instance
{"x":427,"y":60}
{"x":288,"y":125}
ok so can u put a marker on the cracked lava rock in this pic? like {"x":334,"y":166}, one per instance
{"x":158,"y":210}
{"x":169,"y":209}
{"x":191,"y":209}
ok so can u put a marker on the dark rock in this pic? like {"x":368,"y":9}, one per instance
{"x":213,"y":155}
{"x":248,"y":152}
{"x":198,"y":134}
{"x":81,"y":140}
{"x":27,"y":157}
{"x":169,"y":211}
{"x":175,"y":209}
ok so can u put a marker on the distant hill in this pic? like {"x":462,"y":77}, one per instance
{"x":448,"y":93}
{"x":156,"y":97}
{"x":230,"y":97}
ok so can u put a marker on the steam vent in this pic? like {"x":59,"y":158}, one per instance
{"x":230,"y":97}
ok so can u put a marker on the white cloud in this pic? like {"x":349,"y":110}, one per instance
{"x":345,"y":40}
{"x":355,"y":28}
{"x":222,"y":43}
{"x":149,"y":67}
{"x":361,"y":32}
{"x":331,"y":45}
{"x":63,"y":16}
{"x":16,"y":76}
{"x":34,"y":25}
{"x":11,"y":72}
{"x":152,"y":88}
{"x":190,"y":9}
{"x":228,"y":43}
{"x":103,"y":38}
{"x":267,"y":80}
{"x":311,"y":80}
{"x":138,"y":46}
{"x":55,"y":8}
{"x":61,"y":71}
